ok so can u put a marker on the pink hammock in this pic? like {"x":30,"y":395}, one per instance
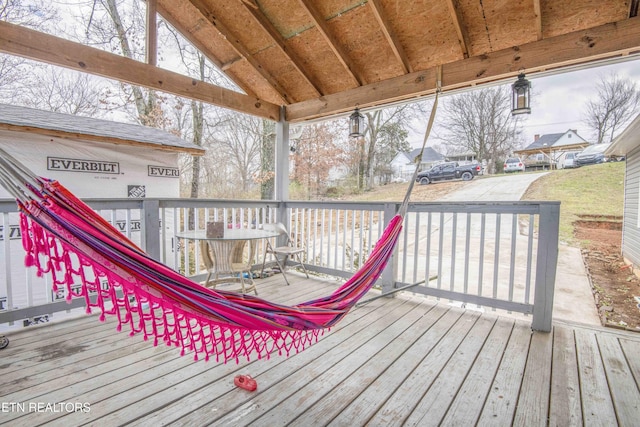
{"x":65,"y":238}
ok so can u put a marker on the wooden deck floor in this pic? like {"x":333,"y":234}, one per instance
{"x":402,"y":361}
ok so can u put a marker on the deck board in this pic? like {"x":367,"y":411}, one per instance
{"x":533,"y":402}
{"x":594,"y":390}
{"x":405,"y":398}
{"x":363,"y":406}
{"x":500,"y":404}
{"x":623,"y":388}
{"x":468,"y":404}
{"x":395,"y":361}
{"x":565,"y":408}
{"x":434,"y":404}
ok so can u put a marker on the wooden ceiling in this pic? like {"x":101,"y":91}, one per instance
{"x":318,"y":58}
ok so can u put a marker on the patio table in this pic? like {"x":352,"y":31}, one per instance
{"x":228,"y":249}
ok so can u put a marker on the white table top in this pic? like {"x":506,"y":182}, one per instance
{"x":230,"y":234}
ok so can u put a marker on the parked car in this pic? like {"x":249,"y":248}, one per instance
{"x":570,"y":160}
{"x":591,"y":155}
{"x":447,"y":171}
{"x":513,"y":164}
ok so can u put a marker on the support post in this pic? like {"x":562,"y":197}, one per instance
{"x":388,"y":277}
{"x":282,"y":168}
{"x":547,"y":262}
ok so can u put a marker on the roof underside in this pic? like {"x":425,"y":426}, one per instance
{"x":322,"y":58}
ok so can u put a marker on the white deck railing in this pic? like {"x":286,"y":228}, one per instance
{"x":498,"y":255}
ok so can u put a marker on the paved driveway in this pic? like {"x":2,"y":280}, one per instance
{"x":502,"y":188}
{"x":573,"y":300}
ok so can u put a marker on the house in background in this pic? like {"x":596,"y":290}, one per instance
{"x":462,"y":158}
{"x":548,"y":151}
{"x":403,"y":164}
{"x":627,"y":145}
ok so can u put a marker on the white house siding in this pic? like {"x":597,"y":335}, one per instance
{"x":631,"y":220}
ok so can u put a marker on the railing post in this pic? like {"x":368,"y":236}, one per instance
{"x":388,"y":277}
{"x":151,"y":227}
{"x":547,"y":261}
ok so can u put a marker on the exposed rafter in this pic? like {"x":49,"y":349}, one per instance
{"x":279,"y":42}
{"x":203,"y":49}
{"x":606,"y":41}
{"x":241,"y":50}
{"x":390,"y":35}
{"x":456,"y":18}
{"x":27,"y":43}
{"x":152,"y":33}
{"x":538,"y":13}
{"x":322,"y":27}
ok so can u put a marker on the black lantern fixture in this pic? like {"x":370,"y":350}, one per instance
{"x":356,"y":124}
{"x":521,"y":96}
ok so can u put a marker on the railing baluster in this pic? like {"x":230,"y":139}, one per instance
{"x":454,"y":229}
{"x":496,"y":256}
{"x":467,"y":251}
{"x":529,"y":260}
{"x":512,"y":262}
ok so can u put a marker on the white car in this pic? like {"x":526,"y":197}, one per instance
{"x":570,"y":161}
{"x":513,"y":164}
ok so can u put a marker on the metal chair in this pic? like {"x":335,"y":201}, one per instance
{"x":289,"y":250}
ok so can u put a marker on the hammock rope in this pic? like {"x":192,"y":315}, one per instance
{"x":84,"y":254}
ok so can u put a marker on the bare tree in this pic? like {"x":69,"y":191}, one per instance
{"x":120,"y":27}
{"x":616,"y":103}
{"x":15,"y":72}
{"x":239,"y":137}
{"x":383,"y":133}
{"x":64,"y":91}
{"x":481,"y":122}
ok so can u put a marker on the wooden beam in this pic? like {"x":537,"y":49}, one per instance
{"x":390,"y":35}
{"x":234,"y":41}
{"x":322,"y":27}
{"x":538,"y":12}
{"x":584,"y":46}
{"x":463,"y":36}
{"x":21,"y":41}
{"x":279,"y":42}
{"x":152,"y":33}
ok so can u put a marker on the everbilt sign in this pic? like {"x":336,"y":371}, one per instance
{"x":163,"y":171}
{"x":77,"y":165}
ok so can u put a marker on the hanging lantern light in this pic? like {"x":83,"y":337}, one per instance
{"x":521,"y":96}
{"x":356,"y":124}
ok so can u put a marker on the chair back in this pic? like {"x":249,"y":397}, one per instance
{"x":281,"y":229}
{"x":206,"y":255}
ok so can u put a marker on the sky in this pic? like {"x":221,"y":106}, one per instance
{"x":558,"y":101}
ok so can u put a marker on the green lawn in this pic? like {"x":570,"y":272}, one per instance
{"x":589,"y":190}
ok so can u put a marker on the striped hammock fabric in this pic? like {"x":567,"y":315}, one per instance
{"x":66,"y":239}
